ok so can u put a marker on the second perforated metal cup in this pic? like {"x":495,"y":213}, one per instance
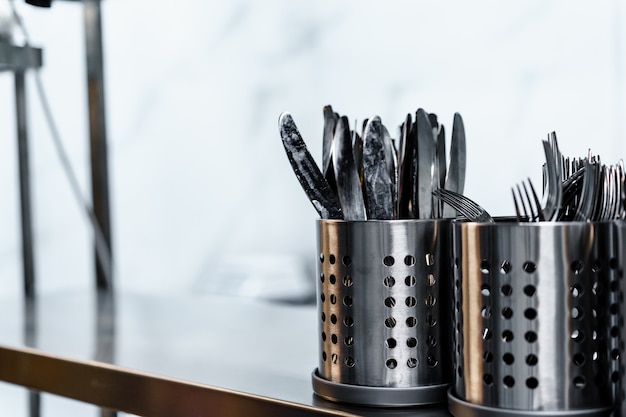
{"x":536,"y":319}
{"x":383,"y":304}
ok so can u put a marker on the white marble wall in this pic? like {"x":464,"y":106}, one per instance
{"x":194,"y":89}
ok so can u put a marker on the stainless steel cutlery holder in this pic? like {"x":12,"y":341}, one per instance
{"x":536,"y":319}
{"x":384,"y":312}
{"x":620,"y":230}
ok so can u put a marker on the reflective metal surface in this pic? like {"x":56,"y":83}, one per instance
{"x":231,"y":355}
{"x":620,"y":230}
{"x":383,"y":303}
{"x":536,"y":316}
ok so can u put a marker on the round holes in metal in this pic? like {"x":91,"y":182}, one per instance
{"x":532,"y":383}
{"x":485,"y":266}
{"x":485,"y":290}
{"x":577,"y":267}
{"x":388,"y":260}
{"x":531,"y":360}
{"x":507,"y":312}
{"x":410,"y":301}
{"x":530,"y":290}
{"x":431,"y":300}
{"x":576,"y":290}
{"x":347,"y":281}
{"x":578,"y":359}
{"x":529,"y":267}
{"x":506,"y":290}
{"x":430,"y":280}
{"x":507,"y":336}
{"x":390,"y":322}
{"x":390,"y":302}
{"x":505,"y":267}
{"x":432,"y":361}
{"x":487,"y":334}
{"x":530,"y":336}
{"x":508,"y":381}
{"x":488,"y":379}
{"x":577,"y":313}
{"x":389,"y":281}
{"x":530,"y":313}
{"x":579,"y":382}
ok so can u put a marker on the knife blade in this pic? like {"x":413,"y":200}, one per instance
{"x":441,"y":169}
{"x":377,"y":183}
{"x":330,"y":123}
{"x":455,"y":178}
{"x":425,"y":161}
{"x":405,"y":159}
{"x":391,"y":159}
{"x":308,"y":173}
{"x":348,"y":183}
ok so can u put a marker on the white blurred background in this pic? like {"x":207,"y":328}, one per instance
{"x":202,"y":192}
{"x":203,"y":197}
{"x":199,"y":180}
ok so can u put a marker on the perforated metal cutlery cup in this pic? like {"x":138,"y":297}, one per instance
{"x":536,"y":319}
{"x":384,"y":312}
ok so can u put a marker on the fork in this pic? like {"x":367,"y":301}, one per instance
{"x":530,"y":215}
{"x":464,"y":206}
{"x":554,"y":192}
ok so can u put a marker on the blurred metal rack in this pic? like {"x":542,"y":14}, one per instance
{"x":19,"y":59}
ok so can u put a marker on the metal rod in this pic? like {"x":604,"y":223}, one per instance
{"x":97,"y":133}
{"x":30,"y":340}
{"x":28,"y":260}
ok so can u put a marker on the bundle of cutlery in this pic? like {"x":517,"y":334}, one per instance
{"x":574,"y":189}
{"x":373,"y":176}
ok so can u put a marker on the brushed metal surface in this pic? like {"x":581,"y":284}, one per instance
{"x":383,"y":302}
{"x":536,"y":316}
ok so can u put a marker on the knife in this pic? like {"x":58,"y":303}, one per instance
{"x":308,"y":173}
{"x":330,"y":123}
{"x":455,"y":178}
{"x":441,"y":169}
{"x":405,"y":158}
{"x":391,"y":159}
{"x":377,"y":182}
{"x":348,"y":183}
{"x":425,"y":161}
